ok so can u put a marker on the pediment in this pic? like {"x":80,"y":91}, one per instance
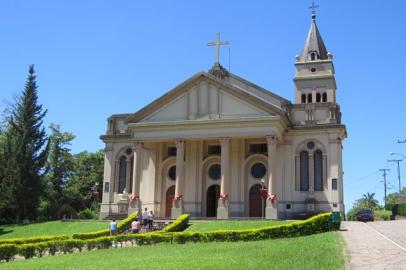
{"x":204,"y":97}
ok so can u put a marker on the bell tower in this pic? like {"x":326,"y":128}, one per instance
{"x":314,"y":79}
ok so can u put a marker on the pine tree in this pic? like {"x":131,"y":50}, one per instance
{"x":30,"y":148}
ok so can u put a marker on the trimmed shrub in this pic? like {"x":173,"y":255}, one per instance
{"x":382,"y":215}
{"x":87,"y":214}
{"x":8,"y":251}
{"x":27,"y":250}
{"x":28,"y":240}
{"x":402,"y":209}
{"x":180,"y":224}
{"x":122,"y":226}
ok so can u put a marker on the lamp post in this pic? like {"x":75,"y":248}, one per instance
{"x":397,"y":161}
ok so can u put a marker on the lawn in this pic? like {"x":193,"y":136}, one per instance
{"x":319,"y":251}
{"x":51,"y":228}
{"x":211,"y":225}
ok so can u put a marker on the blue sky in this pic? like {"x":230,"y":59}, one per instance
{"x":85,"y":50}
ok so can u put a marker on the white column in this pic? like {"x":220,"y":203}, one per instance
{"x":135,"y":200}
{"x":271,"y":211}
{"x":223,"y":204}
{"x":180,"y":173}
{"x":177,"y":206}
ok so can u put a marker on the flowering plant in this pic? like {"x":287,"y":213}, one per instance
{"x":177,"y":197}
{"x":224,"y":196}
{"x":272,"y":197}
{"x":135,"y":198}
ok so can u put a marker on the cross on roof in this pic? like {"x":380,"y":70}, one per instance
{"x":217,"y":43}
{"x":313,"y":7}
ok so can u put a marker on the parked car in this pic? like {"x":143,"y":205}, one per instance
{"x":365,"y":215}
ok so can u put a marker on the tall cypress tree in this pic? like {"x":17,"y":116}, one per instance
{"x":30,"y":145}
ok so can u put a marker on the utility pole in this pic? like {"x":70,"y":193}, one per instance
{"x":384,"y":182}
{"x":397,"y":161}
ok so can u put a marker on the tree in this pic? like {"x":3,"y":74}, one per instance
{"x":59,"y":168}
{"x":28,"y":144}
{"x":369,"y":201}
{"x":394,"y":198}
{"x":88,"y":170}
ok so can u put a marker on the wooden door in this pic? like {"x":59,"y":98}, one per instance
{"x":170,"y":194}
{"x":255,"y":201}
{"x":213,"y":195}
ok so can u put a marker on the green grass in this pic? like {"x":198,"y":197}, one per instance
{"x":211,"y":225}
{"x":51,"y":228}
{"x":320,"y":251}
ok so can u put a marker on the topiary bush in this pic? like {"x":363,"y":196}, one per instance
{"x":88,"y":214}
{"x":8,"y":251}
{"x":180,"y":224}
{"x":28,"y":240}
{"x":402,"y":209}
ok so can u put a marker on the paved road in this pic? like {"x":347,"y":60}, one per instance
{"x":376,"y":245}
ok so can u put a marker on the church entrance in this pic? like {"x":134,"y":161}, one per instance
{"x":255,"y":201}
{"x":213,"y":195}
{"x":170,"y":194}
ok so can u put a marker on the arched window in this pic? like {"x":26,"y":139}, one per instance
{"x":313,"y":56}
{"x":131,"y":175}
{"x":309,"y":98}
{"x":304,"y":171}
{"x":324,"y":97}
{"x":318,"y":170}
{"x":303,"y":98}
{"x":318,"y":97}
{"x":122,"y":174}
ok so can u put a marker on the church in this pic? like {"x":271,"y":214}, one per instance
{"x":220,"y":146}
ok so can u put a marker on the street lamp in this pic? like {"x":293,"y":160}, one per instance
{"x":397,"y":161}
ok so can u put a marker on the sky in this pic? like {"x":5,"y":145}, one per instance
{"x":97,"y":58}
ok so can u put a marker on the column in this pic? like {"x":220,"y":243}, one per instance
{"x":177,"y":206}
{"x":223,"y":204}
{"x":135,"y":199}
{"x":108,"y":181}
{"x":271,"y":211}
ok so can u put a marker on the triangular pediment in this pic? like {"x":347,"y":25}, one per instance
{"x":204,"y":96}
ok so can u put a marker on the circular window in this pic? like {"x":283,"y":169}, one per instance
{"x":310,"y":145}
{"x":313,"y":69}
{"x":215,"y":171}
{"x":258,"y":170}
{"x":172,"y":173}
{"x":129,"y":151}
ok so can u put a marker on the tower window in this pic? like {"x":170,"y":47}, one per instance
{"x":313,"y":69}
{"x":313,"y":56}
{"x":309,"y":98}
{"x":303,"y":98}
{"x":258,"y":148}
{"x":318,"y":97}
{"x":172,"y":151}
{"x":324,"y":97}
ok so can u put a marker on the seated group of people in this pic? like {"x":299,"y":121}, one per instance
{"x":147,"y":222}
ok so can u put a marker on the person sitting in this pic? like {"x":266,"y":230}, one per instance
{"x":113,"y":227}
{"x":135,"y":226}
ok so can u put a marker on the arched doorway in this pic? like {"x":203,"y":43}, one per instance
{"x":213,"y":195}
{"x":256,"y":201}
{"x":170,"y":194}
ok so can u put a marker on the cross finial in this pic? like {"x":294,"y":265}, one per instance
{"x":313,"y":7}
{"x":217,"y":43}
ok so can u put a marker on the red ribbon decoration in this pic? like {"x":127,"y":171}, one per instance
{"x":179,"y":197}
{"x":224,"y":196}
{"x":264,"y":193}
{"x":135,"y":198}
{"x":272,"y":197}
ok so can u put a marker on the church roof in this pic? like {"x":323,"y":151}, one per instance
{"x":314,"y":43}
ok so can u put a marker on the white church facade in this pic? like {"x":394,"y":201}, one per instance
{"x":220,"y":146}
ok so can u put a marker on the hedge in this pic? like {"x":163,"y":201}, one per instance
{"x":28,"y":240}
{"x":402,"y":209}
{"x":317,"y":224}
{"x":180,"y":224}
{"x":122,"y":226}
